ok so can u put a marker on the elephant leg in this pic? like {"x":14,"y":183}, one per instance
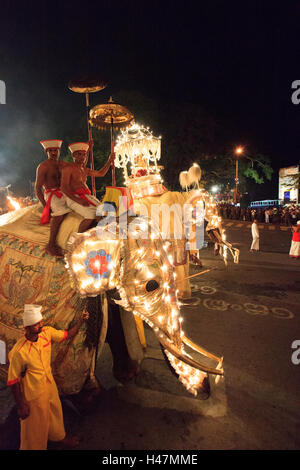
{"x":124,"y":368}
{"x":92,"y":387}
{"x":87,"y":399}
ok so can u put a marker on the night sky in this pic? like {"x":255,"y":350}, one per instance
{"x":236,"y":59}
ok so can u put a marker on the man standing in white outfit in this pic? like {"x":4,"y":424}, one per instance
{"x":255,"y":236}
{"x":267,"y":216}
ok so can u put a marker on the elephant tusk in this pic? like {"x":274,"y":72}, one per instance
{"x":191,"y":362}
{"x":219,"y":366}
{"x":201,"y":350}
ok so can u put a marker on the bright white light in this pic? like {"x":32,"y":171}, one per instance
{"x":214,"y":189}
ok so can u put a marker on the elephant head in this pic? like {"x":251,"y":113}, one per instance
{"x":140,"y":267}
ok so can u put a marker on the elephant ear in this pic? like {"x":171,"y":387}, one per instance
{"x":93,"y":260}
{"x":184,"y":179}
{"x":194,"y":174}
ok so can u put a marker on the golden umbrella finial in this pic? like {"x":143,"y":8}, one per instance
{"x":103,"y":116}
{"x":88,"y":84}
{"x":111,"y":116}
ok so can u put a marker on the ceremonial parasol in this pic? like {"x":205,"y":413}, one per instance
{"x":88,"y":85}
{"x":111,"y":116}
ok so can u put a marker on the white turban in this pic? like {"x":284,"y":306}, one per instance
{"x":78,"y":146}
{"x":32,"y":314}
{"x":51,"y":144}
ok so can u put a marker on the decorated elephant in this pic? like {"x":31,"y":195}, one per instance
{"x":137,"y":273}
{"x":135,"y":265}
{"x":147,"y":265}
{"x":110,"y":265}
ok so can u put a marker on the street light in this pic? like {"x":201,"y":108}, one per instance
{"x":214,"y":189}
{"x":238,"y":151}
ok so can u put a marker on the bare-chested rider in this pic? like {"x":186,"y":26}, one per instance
{"x":73,"y":184}
{"x":47,"y":189}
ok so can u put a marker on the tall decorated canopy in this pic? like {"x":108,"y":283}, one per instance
{"x":137,"y":153}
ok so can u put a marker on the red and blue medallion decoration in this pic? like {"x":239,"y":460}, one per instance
{"x":198,"y":214}
{"x":98,"y":264}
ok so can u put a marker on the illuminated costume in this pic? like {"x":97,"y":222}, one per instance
{"x":30,"y":366}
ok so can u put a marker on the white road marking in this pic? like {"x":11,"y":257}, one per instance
{"x":248,"y":307}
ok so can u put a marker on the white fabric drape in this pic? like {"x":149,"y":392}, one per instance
{"x":255,"y":237}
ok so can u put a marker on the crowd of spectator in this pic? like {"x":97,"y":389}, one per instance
{"x":284,"y":215}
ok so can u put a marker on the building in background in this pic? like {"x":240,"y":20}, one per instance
{"x":288,"y":191}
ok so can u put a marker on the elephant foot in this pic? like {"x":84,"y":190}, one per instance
{"x":85,"y":402}
{"x":93,"y":385}
{"x":88,"y":398}
{"x":126,"y":370}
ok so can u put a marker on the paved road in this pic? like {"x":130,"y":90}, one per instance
{"x":249,"y":313}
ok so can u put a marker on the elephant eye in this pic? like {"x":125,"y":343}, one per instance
{"x":152,"y":285}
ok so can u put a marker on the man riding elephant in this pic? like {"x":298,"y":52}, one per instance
{"x":47,"y":188}
{"x":73,"y":183}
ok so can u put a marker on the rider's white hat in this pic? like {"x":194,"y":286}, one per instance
{"x":51,"y":144}
{"x":32,"y":314}
{"x":78,"y":146}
